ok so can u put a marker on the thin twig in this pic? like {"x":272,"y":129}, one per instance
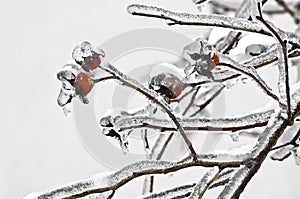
{"x":194,"y":19}
{"x":292,"y":142}
{"x":288,"y":10}
{"x":107,"y":182}
{"x":208,"y":101}
{"x":152,"y":96}
{"x":265,"y":142}
{"x":204,"y":183}
{"x":285,"y":62}
{"x":192,"y":124}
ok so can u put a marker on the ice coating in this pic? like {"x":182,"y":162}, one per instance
{"x":204,"y":183}
{"x":200,"y":19}
{"x":282,"y":153}
{"x":110,"y":131}
{"x":207,"y":93}
{"x":75,"y":82}
{"x":202,"y":57}
{"x":84,"y":49}
{"x":167,"y":85}
{"x":128,"y":122}
{"x":175,"y":192}
{"x":250,"y":71}
{"x":106,"y":181}
{"x":87,"y":56}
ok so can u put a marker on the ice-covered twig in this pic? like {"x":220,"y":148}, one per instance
{"x":223,"y":178}
{"x":259,"y":61}
{"x":156,"y":153}
{"x":207,"y":98}
{"x":292,"y":142}
{"x":232,"y":38}
{"x":176,"y":192}
{"x":263,"y":146}
{"x":211,"y":124}
{"x":204,"y":183}
{"x":112,"y":181}
{"x":200,"y":19}
{"x":283,"y":80}
{"x":232,"y":8}
{"x":152,"y":95}
{"x":288,"y":10}
{"x":249,"y":71}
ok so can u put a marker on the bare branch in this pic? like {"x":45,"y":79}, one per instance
{"x":175,"y":192}
{"x":288,"y":10}
{"x":283,"y":82}
{"x":112,"y":181}
{"x":152,"y":95}
{"x":204,"y":183}
{"x":210,"y":124}
{"x":200,"y":19}
{"x":264,"y":145}
{"x":251,"y":72}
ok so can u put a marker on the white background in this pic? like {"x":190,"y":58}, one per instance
{"x":39,"y":147}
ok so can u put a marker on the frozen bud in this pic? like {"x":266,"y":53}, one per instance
{"x":167,"y":85}
{"x":88,"y":57}
{"x":84,"y":84}
{"x":106,"y":121}
{"x":201,"y":56}
{"x":255,"y":49}
{"x":65,"y":75}
{"x":84,"y":49}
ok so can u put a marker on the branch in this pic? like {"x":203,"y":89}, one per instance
{"x":207,"y":97}
{"x":204,"y":183}
{"x":152,"y":95}
{"x":186,"y":190}
{"x":200,"y":19}
{"x":211,"y":124}
{"x":176,"y":192}
{"x":264,"y":145}
{"x":113,"y":181}
{"x":283,"y":80}
{"x":288,"y":10}
{"x":251,"y":72}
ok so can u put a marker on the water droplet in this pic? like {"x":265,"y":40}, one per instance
{"x":255,"y":49}
{"x":234,"y":137}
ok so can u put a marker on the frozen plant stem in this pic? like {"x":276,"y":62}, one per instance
{"x":282,"y":64}
{"x":152,"y":96}
{"x":204,"y":183}
{"x":197,"y":20}
{"x":113,"y":181}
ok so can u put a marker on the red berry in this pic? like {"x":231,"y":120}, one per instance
{"x":215,"y":61}
{"x":92,"y":62}
{"x":177,"y":89}
{"x":167,"y":85}
{"x":84,"y":83}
